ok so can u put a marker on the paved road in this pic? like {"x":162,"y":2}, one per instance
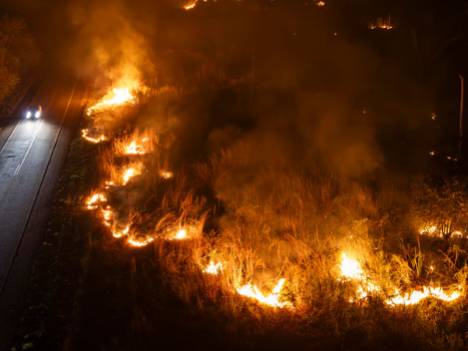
{"x":31,"y":156}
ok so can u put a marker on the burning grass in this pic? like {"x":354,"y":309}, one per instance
{"x":285,"y":243}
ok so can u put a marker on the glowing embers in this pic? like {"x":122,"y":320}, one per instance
{"x":382,"y":24}
{"x":93,"y":137}
{"x":416,"y":296}
{"x":273,"y":299}
{"x":135,"y":144}
{"x":117,"y":97}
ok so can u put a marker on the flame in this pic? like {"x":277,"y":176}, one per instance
{"x":191,"y":5}
{"x":416,"y":296}
{"x":428,"y":229}
{"x":181,"y":234}
{"x":273,"y":299}
{"x":213,"y":268}
{"x":128,"y":174}
{"x":85,"y":134}
{"x":107,"y":215}
{"x":120,"y":233}
{"x":123,"y":175}
{"x":140,"y":242}
{"x":351,"y":268}
{"x":320,"y":3}
{"x":92,"y":201}
{"x":137,"y":144}
{"x":166,"y":174}
{"x":119,"y":96}
{"x":382,"y":24}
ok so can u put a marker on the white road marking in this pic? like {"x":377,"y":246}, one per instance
{"x":18,"y":168}
{"x":9,"y":137}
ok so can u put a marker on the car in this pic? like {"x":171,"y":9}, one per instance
{"x":33,"y":112}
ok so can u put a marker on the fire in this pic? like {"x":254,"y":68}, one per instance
{"x":137,"y":144}
{"x":382,"y":24}
{"x":107,"y":215}
{"x":273,"y":299}
{"x":140,"y":242}
{"x":429,"y":229}
{"x":123,"y":175}
{"x":416,"y":296}
{"x":120,"y":233}
{"x":86,"y":134}
{"x":351,"y":268}
{"x":128,"y":174}
{"x":320,"y":3}
{"x":213,"y":268}
{"x":181,"y":234}
{"x":116,"y":97}
{"x":133,"y":148}
{"x":92,"y":201}
{"x":191,"y":5}
{"x":166,"y":174}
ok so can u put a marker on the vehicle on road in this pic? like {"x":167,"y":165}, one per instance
{"x":33,"y":112}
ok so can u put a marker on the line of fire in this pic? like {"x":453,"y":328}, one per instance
{"x":233,"y":175}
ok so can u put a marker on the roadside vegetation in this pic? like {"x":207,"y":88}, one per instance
{"x":18,"y":55}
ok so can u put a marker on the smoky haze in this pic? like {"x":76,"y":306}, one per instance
{"x":279,"y":87}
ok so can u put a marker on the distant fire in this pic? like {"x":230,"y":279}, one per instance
{"x":382,"y":24}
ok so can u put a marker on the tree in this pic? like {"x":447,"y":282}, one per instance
{"x":18,"y":54}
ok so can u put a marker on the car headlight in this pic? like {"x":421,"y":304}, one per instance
{"x":37,"y":114}
{"x":28,"y":114}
